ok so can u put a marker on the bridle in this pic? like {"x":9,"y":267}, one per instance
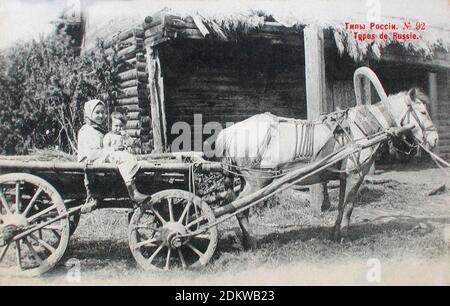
{"x":406,"y":119}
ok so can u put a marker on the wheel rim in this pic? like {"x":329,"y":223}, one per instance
{"x":157,"y":236}
{"x":27,"y":201}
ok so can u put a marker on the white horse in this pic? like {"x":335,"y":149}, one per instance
{"x":265,"y":142}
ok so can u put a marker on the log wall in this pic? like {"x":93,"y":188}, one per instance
{"x":226,"y":82}
{"x":128,"y":48}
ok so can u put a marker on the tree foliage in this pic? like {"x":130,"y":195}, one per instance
{"x":43,"y":86}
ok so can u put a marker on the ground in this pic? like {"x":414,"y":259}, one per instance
{"x":396,"y":225}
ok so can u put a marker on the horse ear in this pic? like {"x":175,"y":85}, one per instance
{"x":412,"y":94}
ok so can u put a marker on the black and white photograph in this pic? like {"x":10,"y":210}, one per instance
{"x":214,"y":143}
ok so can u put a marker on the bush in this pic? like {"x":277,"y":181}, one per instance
{"x":43,"y":86}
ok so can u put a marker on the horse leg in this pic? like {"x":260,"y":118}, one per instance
{"x":336,"y":234}
{"x":326,"y":197}
{"x":248,"y":241}
{"x":353,"y":183}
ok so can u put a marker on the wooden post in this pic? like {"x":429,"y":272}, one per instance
{"x":433,"y":94}
{"x":315,"y":97}
{"x":155,"y":101}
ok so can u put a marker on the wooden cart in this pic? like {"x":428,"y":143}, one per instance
{"x":40,"y":206}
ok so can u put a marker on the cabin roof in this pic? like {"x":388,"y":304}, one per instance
{"x":106,"y":18}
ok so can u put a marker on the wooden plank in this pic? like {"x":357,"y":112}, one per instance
{"x":152,"y":54}
{"x":161,"y":97}
{"x":315,"y":97}
{"x":433,"y":94}
{"x":199,"y":24}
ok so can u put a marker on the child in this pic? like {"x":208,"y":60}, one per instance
{"x":90,"y":150}
{"x":117,"y":138}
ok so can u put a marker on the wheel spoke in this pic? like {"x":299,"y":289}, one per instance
{"x":170,"y":201}
{"x":43,"y":243}
{"x":183,"y":262}
{"x":54,"y":231}
{"x":166,"y":267}
{"x":4,"y":203}
{"x":155,"y":253}
{"x":148,"y":242}
{"x":196,"y":251}
{"x":3,"y":253}
{"x":18,"y":255}
{"x":159,"y":217}
{"x":18,"y":197}
{"x":196,"y":221}
{"x":52,"y":227}
{"x":203,"y":236}
{"x":41,"y":213}
{"x":33,"y":251}
{"x":30,"y":205}
{"x":185,"y":211}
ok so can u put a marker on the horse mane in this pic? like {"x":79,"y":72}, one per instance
{"x":418,"y":94}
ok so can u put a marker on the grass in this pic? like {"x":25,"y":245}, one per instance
{"x":392,"y":222}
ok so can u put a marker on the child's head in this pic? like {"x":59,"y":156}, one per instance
{"x":94,"y":112}
{"x":118,"y":122}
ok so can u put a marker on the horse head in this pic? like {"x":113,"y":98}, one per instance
{"x":410,"y":108}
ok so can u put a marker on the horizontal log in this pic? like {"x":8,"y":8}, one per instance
{"x":133,"y":115}
{"x":130,"y":101}
{"x":133,"y":124}
{"x":129,"y":50}
{"x":133,"y":75}
{"x":133,"y":132}
{"x":136,"y":32}
{"x":116,"y":48}
{"x":157,"y":30}
{"x":132,"y":83}
{"x":137,"y":132}
{"x":81,"y":167}
{"x":134,"y":92}
{"x":135,"y":108}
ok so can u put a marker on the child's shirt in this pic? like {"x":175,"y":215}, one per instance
{"x":111,"y":140}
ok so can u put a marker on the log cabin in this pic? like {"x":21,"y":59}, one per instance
{"x":203,"y":61}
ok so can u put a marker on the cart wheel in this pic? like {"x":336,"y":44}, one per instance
{"x":27,"y":202}
{"x":157,"y":235}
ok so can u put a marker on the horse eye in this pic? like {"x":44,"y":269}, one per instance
{"x":423,"y":112}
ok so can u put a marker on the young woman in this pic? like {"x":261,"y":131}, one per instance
{"x":90,"y":150}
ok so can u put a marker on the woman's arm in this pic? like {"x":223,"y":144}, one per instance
{"x":89,"y":144}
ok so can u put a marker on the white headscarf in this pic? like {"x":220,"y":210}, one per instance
{"x":89,"y":107}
